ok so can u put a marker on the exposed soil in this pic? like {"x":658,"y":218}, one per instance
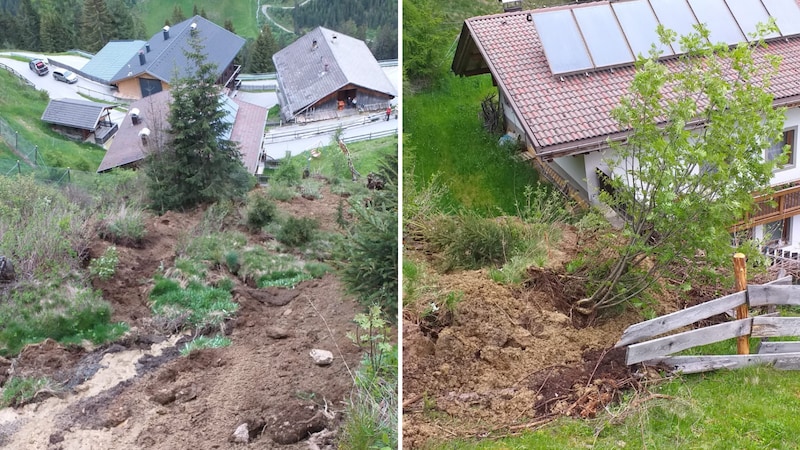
{"x":506,"y":358}
{"x":140,"y":393}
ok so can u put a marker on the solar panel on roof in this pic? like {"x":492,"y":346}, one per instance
{"x":639,"y":25}
{"x":748,"y":13}
{"x":719,"y":21}
{"x":562,"y":42}
{"x":676,"y":16}
{"x":786,"y":14}
{"x":603,"y":36}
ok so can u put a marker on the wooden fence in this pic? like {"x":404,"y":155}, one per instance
{"x":645,"y":347}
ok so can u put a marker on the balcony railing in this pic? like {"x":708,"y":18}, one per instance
{"x":772,"y":207}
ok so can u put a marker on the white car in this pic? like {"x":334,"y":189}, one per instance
{"x":65,"y":75}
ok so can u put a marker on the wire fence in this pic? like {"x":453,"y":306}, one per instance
{"x":27,"y":160}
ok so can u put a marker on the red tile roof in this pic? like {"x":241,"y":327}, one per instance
{"x":573,"y":114}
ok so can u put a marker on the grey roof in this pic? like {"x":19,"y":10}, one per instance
{"x":166,"y":56}
{"x":112,"y":58}
{"x":81,"y":114}
{"x":248,"y":122}
{"x":308,"y":73}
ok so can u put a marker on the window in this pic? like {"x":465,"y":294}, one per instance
{"x":776,"y":149}
{"x":777,"y":232}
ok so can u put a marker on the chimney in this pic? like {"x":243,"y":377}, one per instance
{"x":326,"y":67}
{"x":147,"y":47}
{"x":144,"y":134}
{"x":166,"y":32}
{"x":334,"y":39}
{"x":142,"y":60}
{"x":193,"y":27}
{"x":314,"y":45}
{"x":135,"y":116}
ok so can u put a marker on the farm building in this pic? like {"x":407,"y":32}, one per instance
{"x":141,"y":68}
{"x":560,"y":71}
{"x":79,"y":119}
{"x":326,"y":74}
{"x":145,"y":127}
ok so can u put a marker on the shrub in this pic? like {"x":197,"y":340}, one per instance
{"x":468,"y":241}
{"x":297,"y":231}
{"x":317,"y":269}
{"x":105,"y":266}
{"x":287,"y":172}
{"x":310,"y":190}
{"x":260,"y":211}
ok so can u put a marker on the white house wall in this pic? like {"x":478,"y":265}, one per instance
{"x":790,"y":173}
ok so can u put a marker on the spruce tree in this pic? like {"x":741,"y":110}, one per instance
{"x":229,"y":26}
{"x":28,"y":20}
{"x":177,"y":14}
{"x":263,"y":49}
{"x":96,"y":25}
{"x":196,"y":165}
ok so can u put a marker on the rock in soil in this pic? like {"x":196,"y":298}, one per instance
{"x":241,"y":435}
{"x":321,"y":357}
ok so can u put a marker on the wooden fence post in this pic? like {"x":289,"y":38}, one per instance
{"x":740,"y":275}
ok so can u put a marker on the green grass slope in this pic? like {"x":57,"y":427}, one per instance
{"x":241,"y":12}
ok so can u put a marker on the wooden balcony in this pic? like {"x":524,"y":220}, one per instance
{"x":779,"y":205}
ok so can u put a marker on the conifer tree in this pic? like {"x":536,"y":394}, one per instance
{"x":263,"y":49}
{"x":96,"y":25}
{"x":196,"y":165}
{"x":177,"y":14}
{"x":28,"y":20}
{"x":229,"y":26}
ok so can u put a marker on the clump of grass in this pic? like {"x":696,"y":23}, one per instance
{"x":65,"y":313}
{"x":125,"y":227}
{"x":18,"y":391}
{"x":310,"y":189}
{"x":317,"y":269}
{"x":202,"y":342}
{"x":199,"y":305}
{"x":283,"y":278}
{"x":297,"y":231}
{"x":260,"y":211}
{"x":281,"y":192}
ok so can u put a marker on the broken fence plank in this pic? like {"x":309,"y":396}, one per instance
{"x":688,"y":339}
{"x":696,"y":364}
{"x":660,"y":325}
{"x":772,"y":294}
{"x":775,"y":326}
{"x":771,"y":347}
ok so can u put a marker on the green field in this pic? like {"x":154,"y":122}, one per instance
{"x":443,"y":134}
{"x":241,"y":12}
{"x":22,"y":107}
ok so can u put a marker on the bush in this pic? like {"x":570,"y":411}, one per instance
{"x":287,"y":172}
{"x":260,"y":211}
{"x":105,"y":266}
{"x":310,"y":189}
{"x":468,"y":241}
{"x":297,"y":231}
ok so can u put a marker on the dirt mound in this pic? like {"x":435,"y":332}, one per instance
{"x":507,"y":357}
{"x":140,"y":393}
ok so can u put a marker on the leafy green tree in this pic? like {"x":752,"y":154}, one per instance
{"x":681,"y":187}
{"x":263,"y":49}
{"x":96,"y":26}
{"x":424,"y":41}
{"x":197,"y":165}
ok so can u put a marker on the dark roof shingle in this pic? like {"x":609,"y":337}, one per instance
{"x":81,"y":114}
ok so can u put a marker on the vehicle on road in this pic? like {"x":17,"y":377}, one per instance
{"x":65,"y":75}
{"x":39,"y":66}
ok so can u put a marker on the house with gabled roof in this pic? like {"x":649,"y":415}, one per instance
{"x":146,"y":125}
{"x":560,"y":72}
{"x":80,"y":119}
{"x":326,"y":74}
{"x":141,"y":68}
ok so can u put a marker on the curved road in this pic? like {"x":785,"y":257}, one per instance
{"x":264,"y":9}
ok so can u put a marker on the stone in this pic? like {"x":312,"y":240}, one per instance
{"x":7,"y":273}
{"x":241,"y":435}
{"x":321,"y":357}
{"x":277,"y":332}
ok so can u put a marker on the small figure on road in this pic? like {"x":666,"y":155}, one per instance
{"x":355,"y":104}
{"x":388,"y":113}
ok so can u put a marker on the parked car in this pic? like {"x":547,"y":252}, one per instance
{"x":38,"y":66}
{"x":65,"y":75}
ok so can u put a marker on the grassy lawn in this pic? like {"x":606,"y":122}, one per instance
{"x":367,"y":156}
{"x":22,"y":107}
{"x":443,"y":133}
{"x":753,"y":408}
{"x":240,"y":12}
